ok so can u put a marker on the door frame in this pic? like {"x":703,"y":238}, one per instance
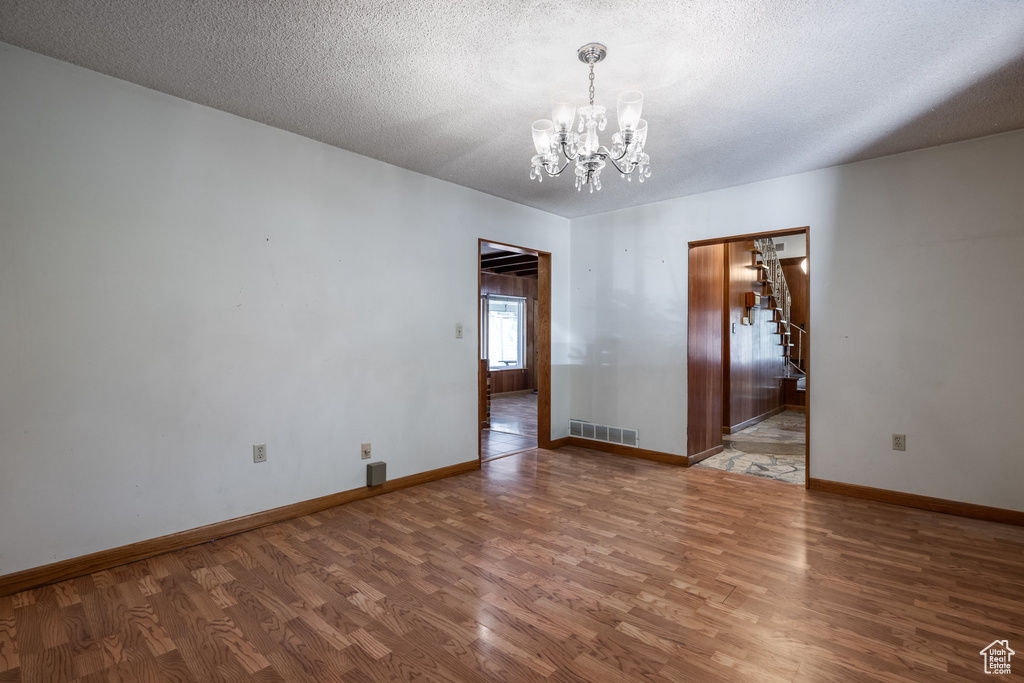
{"x":806,"y":231}
{"x":543,"y":332}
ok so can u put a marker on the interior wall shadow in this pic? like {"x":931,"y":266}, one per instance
{"x":1002,"y":93}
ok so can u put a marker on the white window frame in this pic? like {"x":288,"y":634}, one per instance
{"x":485,"y":345}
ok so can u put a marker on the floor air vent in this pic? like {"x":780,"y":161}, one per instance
{"x":589,"y":430}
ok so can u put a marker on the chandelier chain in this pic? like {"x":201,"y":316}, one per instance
{"x":591,"y":84}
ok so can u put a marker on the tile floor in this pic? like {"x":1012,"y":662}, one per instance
{"x":513,"y":426}
{"x":773,"y":449}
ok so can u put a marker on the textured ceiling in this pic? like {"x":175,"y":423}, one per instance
{"x":736,"y":90}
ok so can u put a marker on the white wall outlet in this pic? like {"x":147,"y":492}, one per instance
{"x":899,"y":442}
{"x":365,"y":451}
{"x":259,"y":452}
{"x":458,"y":330}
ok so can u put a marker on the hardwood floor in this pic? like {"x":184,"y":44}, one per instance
{"x":514,"y":414}
{"x":570,"y":565}
{"x":499,"y":444}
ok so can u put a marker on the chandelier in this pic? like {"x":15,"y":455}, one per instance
{"x":554,"y":139}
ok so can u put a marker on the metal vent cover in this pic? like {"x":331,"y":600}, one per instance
{"x":605,"y":433}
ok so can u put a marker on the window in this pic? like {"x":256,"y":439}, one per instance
{"x":505,"y":332}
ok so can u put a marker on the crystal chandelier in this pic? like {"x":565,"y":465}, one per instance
{"x":554,"y":139}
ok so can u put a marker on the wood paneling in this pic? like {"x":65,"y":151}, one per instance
{"x":792,"y":396}
{"x":567,"y":566}
{"x":484,"y":397}
{"x":509,"y":285}
{"x":797,"y":280}
{"x":704,"y":349}
{"x":754,"y":358}
{"x":913,"y":500}
{"x":105,"y":559}
{"x":503,"y":381}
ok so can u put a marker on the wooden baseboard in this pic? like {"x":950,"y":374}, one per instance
{"x":799,"y":409}
{"x":627,"y":451}
{"x":704,"y":455}
{"x":106,"y":559}
{"x":752,"y":421}
{"x":913,"y":500}
{"x":555,"y":443}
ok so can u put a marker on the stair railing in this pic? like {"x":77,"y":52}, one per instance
{"x":780,"y":291}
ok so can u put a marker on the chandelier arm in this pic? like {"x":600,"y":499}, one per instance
{"x":617,"y":168}
{"x":559,"y":171}
{"x":607,"y":154}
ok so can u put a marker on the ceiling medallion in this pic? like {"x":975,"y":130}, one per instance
{"x":554,"y":139}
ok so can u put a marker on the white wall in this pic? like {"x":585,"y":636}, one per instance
{"x":177,"y":283}
{"x":915,"y":315}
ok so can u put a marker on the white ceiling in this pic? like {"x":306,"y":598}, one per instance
{"x":736,"y":90}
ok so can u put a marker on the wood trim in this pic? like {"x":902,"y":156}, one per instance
{"x":543,"y":350}
{"x":481,"y":375}
{"x":799,"y":409}
{"x":505,"y":455}
{"x":753,"y":421}
{"x":807,"y":390}
{"x":629,"y":452}
{"x":517,"y":392}
{"x":543,"y":325}
{"x":913,"y":500}
{"x":751,"y":236}
{"x":704,"y":455}
{"x":557,"y":443}
{"x":509,"y":247}
{"x":106,"y":559}
{"x":806,"y":230}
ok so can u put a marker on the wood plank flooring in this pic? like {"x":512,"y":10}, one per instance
{"x":514,"y":414}
{"x":570,"y":565}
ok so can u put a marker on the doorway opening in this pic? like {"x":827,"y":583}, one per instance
{"x":748,"y":355}
{"x":515,"y":349}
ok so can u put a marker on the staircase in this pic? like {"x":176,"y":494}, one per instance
{"x":792,"y":338}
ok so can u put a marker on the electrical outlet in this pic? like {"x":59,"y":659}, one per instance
{"x":458,"y":330}
{"x":365,"y":451}
{"x":259,"y":452}
{"x":899,"y":442}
